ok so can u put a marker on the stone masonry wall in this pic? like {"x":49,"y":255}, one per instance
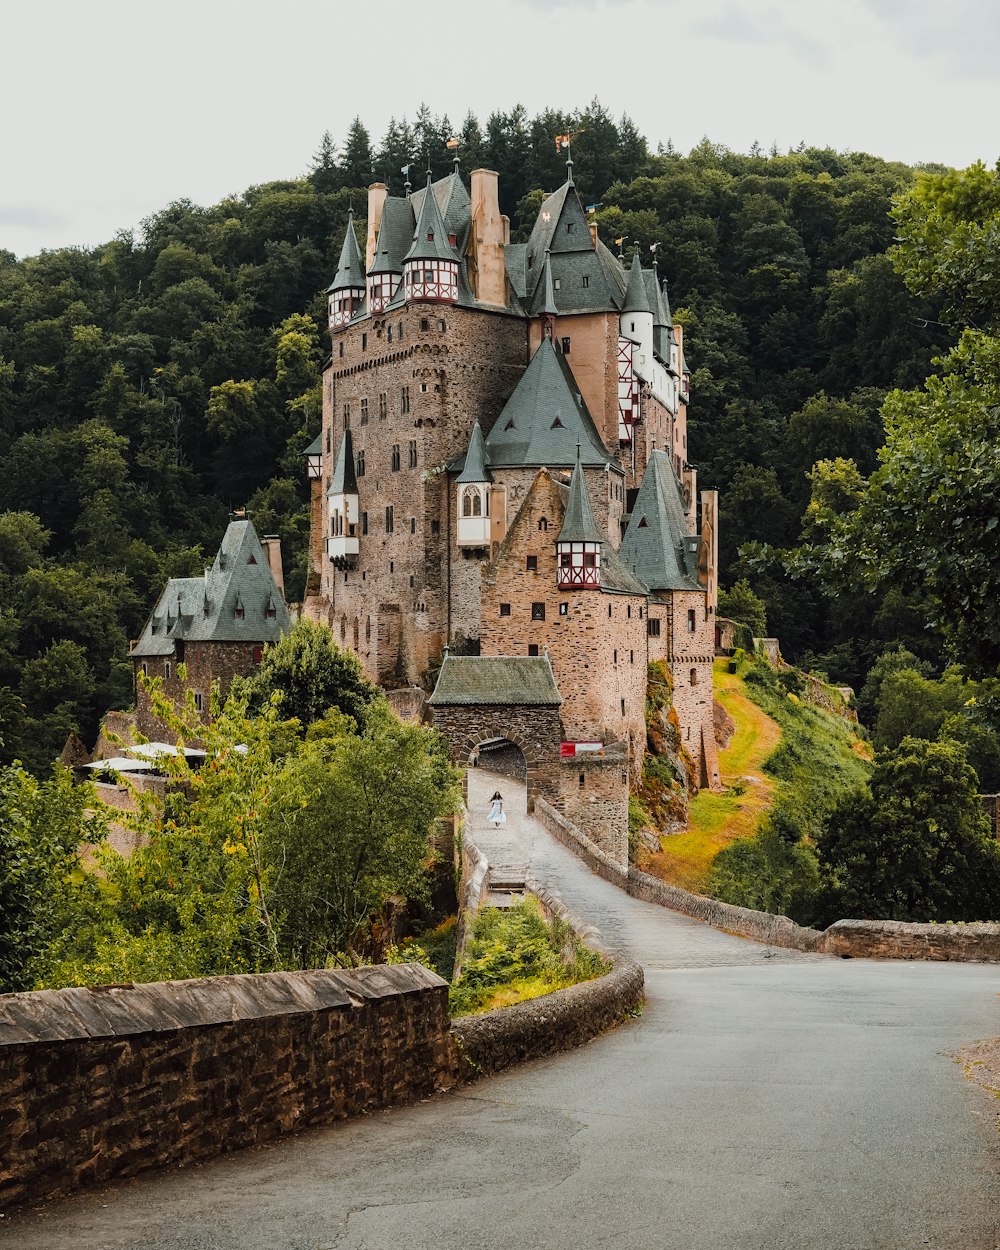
{"x":205,"y":662}
{"x":536,"y":731}
{"x":593,"y":794}
{"x":109,"y":1082}
{"x":416,"y":381}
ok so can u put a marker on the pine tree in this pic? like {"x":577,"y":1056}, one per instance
{"x":356,"y":165}
{"x":323,"y":173}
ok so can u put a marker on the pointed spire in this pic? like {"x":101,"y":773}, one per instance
{"x":636,"y":299}
{"x":549,"y":308}
{"x":476,"y":469}
{"x":344,"y":480}
{"x":569,"y":165}
{"x":351,"y":270}
{"x":668,"y":317}
{"x":430,"y":240}
{"x":579,"y":525}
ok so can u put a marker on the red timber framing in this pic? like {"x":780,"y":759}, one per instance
{"x":431,"y":280}
{"x":579,"y":564}
{"x":628,"y":391}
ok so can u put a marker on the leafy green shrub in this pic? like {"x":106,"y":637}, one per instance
{"x":520,"y":951}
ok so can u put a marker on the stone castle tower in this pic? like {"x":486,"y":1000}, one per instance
{"x":502,"y":464}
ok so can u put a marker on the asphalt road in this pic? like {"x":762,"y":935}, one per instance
{"x":764,"y":1101}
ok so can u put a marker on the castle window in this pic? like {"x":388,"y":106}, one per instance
{"x":328,"y":440}
{"x":538,"y":611}
{"x":395,"y":457}
{"x":166,"y":670}
{"x":631,"y":657}
{"x":342,"y":349}
{"x":364,"y":342}
{"x":368,"y":629}
{"x":623,"y":707}
{"x":653,"y":627}
{"x":271,"y":613}
{"x":413,"y":453}
{"x":424,"y":322}
{"x":564,"y":609}
{"x":691,"y":621}
{"x":531,"y":564}
{"x":505,"y":609}
{"x":388,"y":519}
{"x":532,"y":648}
{"x":364,"y":411}
{"x":472,"y":501}
{"x":441,"y":325}
{"x":586,"y":279}
{"x":347,"y":416}
{"x":435,"y":527}
{"x":694,"y":677}
{"x":413,"y":581}
{"x":609,"y":611}
{"x":583,"y":780}
{"x":615,"y":655}
{"x":404,"y":401}
{"x":383,"y":405}
{"x":556,"y":283}
{"x":258,"y":653}
{"x":628,"y":611}
{"x":543,"y":523}
{"x":424,"y":388}
{"x":565,"y":347}
{"x":145,"y":669}
{"x":413,"y":524}
{"x":360,"y":464}
{"x":388,"y":334}
{"x":199,"y":701}
{"x":569,"y":227}
{"x":400,"y":330}
{"x":364,"y":522}
{"x":239,"y":612}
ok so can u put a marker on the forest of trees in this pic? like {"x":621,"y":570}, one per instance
{"x":152,"y":383}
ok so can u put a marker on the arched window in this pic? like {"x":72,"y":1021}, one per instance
{"x":694,"y":677}
{"x":472,"y":501}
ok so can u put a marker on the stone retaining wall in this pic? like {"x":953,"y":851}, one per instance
{"x":896,"y":939}
{"x":100,"y":1083}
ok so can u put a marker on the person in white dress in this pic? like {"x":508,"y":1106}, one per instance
{"x":497,"y":816}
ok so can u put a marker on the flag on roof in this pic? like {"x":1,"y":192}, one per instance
{"x":452,"y":142}
{"x":562,"y":141}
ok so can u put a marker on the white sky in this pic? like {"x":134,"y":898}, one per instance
{"x":110,"y":109}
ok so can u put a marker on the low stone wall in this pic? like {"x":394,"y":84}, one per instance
{"x":100,"y":1083}
{"x":496,"y":1040}
{"x":407,"y":702}
{"x":568,"y":834}
{"x":896,"y":939}
{"x":761,"y":926}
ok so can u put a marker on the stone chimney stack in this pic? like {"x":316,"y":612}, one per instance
{"x":272,"y":549}
{"x":377,"y":194}
{"x":489,"y":229}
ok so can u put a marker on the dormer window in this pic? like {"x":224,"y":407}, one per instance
{"x":272,"y":612}
{"x":239,"y":612}
{"x":430,"y":236}
{"x":569,"y":227}
{"x":251,"y":558}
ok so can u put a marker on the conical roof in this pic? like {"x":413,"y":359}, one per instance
{"x":578,"y":524}
{"x":545,"y":419}
{"x":351,"y":270}
{"x":636,"y":299}
{"x":344,"y":480}
{"x":475,"y":469}
{"x":430,"y":240}
{"x":549,"y":308}
{"x":655,"y":545}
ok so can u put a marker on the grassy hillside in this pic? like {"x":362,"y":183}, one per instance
{"x":785,"y":765}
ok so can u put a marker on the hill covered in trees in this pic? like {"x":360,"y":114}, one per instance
{"x":150,"y":384}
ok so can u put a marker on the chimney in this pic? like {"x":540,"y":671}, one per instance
{"x":272,"y":549}
{"x":593,"y":233}
{"x":488,"y":236}
{"x":377,"y":194}
{"x":708,"y":556}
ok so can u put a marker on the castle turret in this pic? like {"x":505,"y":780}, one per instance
{"x":343,"y":507}
{"x":430,"y":267}
{"x":385,"y":272}
{"x":346,"y":293}
{"x":549,"y":309}
{"x":637,"y":318}
{"x":578,"y":547}
{"x":474,"y":495}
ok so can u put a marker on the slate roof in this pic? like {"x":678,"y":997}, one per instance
{"x":203,"y":609}
{"x":544,"y":419}
{"x":578,"y":524}
{"x":636,"y":298}
{"x":395,"y":234}
{"x":485,"y":679}
{"x":344,"y":480}
{"x":590,"y":279}
{"x":315,"y":448}
{"x":430,"y":241}
{"x":655,"y":546}
{"x":616,"y":578}
{"x":549,"y":306}
{"x":351,"y":270}
{"x":475,"y":469}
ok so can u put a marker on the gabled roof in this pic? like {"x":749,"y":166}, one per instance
{"x":655,"y":546}
{"x":395,"y":234}
{"x":585,"y":281}
{"x":578,"y":524}
{"x":344,"y":480}
{"x":475,"y":469}
{"x":204,"y":609}
{"x":636,"y":299}
{"x":513,"y":681}
{"x":351,"y":270}
{"x":316,"y":446}
{"x":544,"y":419}
{"x":430,"y":240}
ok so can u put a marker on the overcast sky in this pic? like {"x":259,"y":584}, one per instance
{"x":110,"y":109}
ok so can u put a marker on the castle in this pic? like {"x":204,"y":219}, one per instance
{"x":501,"y":488}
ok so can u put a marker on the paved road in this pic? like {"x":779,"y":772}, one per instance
{"x":784,"y":1103}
